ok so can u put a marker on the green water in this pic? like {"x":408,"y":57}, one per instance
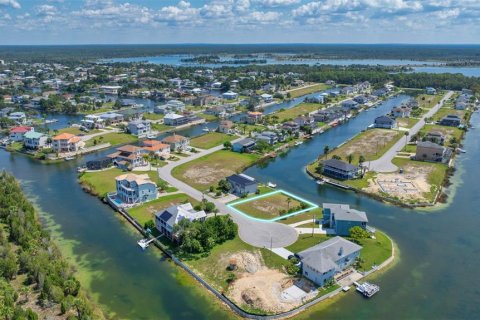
{"x":435,"y":277}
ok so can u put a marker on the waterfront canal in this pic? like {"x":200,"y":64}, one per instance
{"x":434,"y":277}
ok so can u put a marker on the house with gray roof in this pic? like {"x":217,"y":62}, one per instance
{"x":430,"y":151}
{"x":321,"y":262}
{"x":242,"y":184}
{"x":166,"y":220}
{"x":340,"y":170}
{"x":384,"y":122}
{"x":341,"y":218}
{"x":244,"y":145}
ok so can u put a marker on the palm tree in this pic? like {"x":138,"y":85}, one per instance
{"x":289,"y":200}
{"x":350,"y":158}
{"x":326,"y":149}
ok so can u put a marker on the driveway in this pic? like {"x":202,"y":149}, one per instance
{"x":256,"y":233}
{"x":384,"y":163}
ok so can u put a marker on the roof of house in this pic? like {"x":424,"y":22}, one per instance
{"x":129,"y":148}
{"x":64,"y":136}
{"x":20,"y":129}
{"x":383,"y":119}
{"x":33,"y":135}
{"x":245,"y":142}
{"x":429,"y":144}
{"x":323,"y":256}
{"x":343,"y":212}
{"x":157,"y":147}
{"x":173,"y":116}
{"x":341,"y":165}
{"x":254,"y":113}
{"x":226,"y":123}
{"x":241,"y":179}
{"x":139,"y":179}
{"x":174,"y":214}
{"x":174,"y":138}
{"x":435,"y":134}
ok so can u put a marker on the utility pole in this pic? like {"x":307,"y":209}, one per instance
{"x":313,"y":227}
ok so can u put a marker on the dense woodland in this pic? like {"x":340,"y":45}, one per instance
{"x":61,"y":53}
{"x":32,"y":270}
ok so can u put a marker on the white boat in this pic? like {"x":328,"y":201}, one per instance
{"x":206,"y":129}
{"x":151,"y":136}
{"x":298,"y":143}
{"x":461,"y":150}
{"x":272,"y":185}
{"x":320,"y":182}
{"x":143,"y":243}
{"x":346,"y":288}
{"x":69,"y":158}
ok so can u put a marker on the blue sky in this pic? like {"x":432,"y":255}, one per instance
{"x":239,"y":21}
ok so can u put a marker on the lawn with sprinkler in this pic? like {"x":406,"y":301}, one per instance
{"x":272,"y":206}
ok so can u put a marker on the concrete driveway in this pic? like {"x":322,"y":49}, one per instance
{"x":384,"y":163}
{"x":256,"y":233}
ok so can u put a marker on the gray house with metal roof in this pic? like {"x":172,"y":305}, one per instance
{"x":342,"y":218}
{"x":340,"y":170}
{"x":320,"y":263}
{"x":242,"y":184}
{"x":166,"y":220}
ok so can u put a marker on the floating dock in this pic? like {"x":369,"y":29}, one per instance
{"x":367,"y":289}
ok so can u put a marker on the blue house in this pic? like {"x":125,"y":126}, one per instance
{"x":321,"y":262}
{"x":242,"y":184}
{"x":450,"y":120}
{"x":135,"y":189}
{"x":384,"y":122}
{"x":340,"y":170}
{"x":341,"y":218}
{"x":244,"y":145}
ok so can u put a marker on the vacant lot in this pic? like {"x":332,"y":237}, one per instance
{"x":317,"y":213}
{"x":210,"y":140}
{"x":113,"y":138}
{"x":307,"y":90}
{"x":429,"y":101}
{"x":449,"y":132}
{"x":76,"y":131}
{"x":407,"y":122}
{"x":270,"y":206}
{"x":297,"y":111}
{"x":146,"y":211}
{"x":206,"y":171}
{"x":101,"y":182}
{"x":372,"y":144}
{"x":153,"y":116}
{"x":306,"y":241}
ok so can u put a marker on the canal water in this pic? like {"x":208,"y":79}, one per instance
{"x":435,"y":277}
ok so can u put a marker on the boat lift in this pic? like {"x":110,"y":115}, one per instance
{"x":144,"y":243}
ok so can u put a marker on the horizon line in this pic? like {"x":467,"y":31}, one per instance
{"x":246,"y":44}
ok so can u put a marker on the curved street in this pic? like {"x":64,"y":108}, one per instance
{"x":256,"y":233}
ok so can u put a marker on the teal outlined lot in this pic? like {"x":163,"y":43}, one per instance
{"x":311,"y":205}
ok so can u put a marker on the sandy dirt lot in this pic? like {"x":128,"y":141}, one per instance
{"x":268,"y":207}
{"x":411,"y":185}
{"x":207,"y":174}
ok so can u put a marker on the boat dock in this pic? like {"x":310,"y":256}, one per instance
{"x":367,"y":289}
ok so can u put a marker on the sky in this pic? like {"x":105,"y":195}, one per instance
{"x":239,"y":21}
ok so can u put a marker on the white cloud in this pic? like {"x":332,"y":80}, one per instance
{"x":259,"y":17}
{"x":447,"y":14}
{"x":183,"y":12}
{"x":46,"y":10}
{"x":277,"y":3}
{"x":10,"y":3}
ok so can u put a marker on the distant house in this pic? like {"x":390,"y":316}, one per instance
{"x":327,"y":115}
{"x":99,"y":164}
{"x":166,"y":220}
{"x":93,"y":121}
{"x":172,"y":106}
{"x":67,"y":142}
{"x":384,"y":122}
{"x":139,"y":128}
{"x":226,"y":126}
{"x":321,"y":262}
{"x":269,"y":137}
{"x":350,"y":105}
{"x":360,"y":99}
{"x":17,"y":133}
{"x":266,"y":97}
{"x":341,"y":218}
{"x":242,"y":184}
{"x":430,"y":151}
{"x":135,"y":189}
{"x":18,"y":117}
{"x":347,"y":90}
{"x":380,"y":92}
{"x":303,"y":121}
{"x":173,"y":119}
{"x":340,"y":170}
{"x":128,"y":157}
{"x":112,"y":117}
{"x":34,"y":140}
{"x":430,"y":90}
{"x":156,"y":147}
{"x":291,"y":126}
{"x":176,"y":142}
{"x":402,"y":111}
{"x":244,"y":145}
{"x":450,"y":120}
{"x":435,"y":137}
{"x":230,"y":95}
{"x":254,"y":117}
{"x":113,"y":90}
{"x":460,"y":105}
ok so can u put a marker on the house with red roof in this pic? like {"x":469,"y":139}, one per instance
{"x":17,"y":133}
{"x":67,"y":142}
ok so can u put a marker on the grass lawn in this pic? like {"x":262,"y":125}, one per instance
{"x":102,"y":182}
{"x":160,"y":127}
{"x":247,"y":128}
{"x":299,"y":110}
{"x":435,"y":177}
{"x":429,"y":101}
{"x":146,"y":211}
{"x":210,"y":140}
{"x":372,"y":144}
{"x":375,"y":251}
{"x":74,"y":130}
{"x":307,"y":90}
{"x":317,"y":213}
{"x":407,"y":122}
{"x":207,"y":117}
{"x":446,"y":111}
{"x":306,"y":241}
{"x":208,"y":170}
{"x":359,"y":184}
{"x":410,"y":148}
{"x":113,"y":138}
{"x":153,"y":116}
{"x":449,"y":132}
{"x":15,"y":146}
{"x":269,"y":207}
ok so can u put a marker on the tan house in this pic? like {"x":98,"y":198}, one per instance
{"x":67,"y":142}
{"x":158,"y":148}
{"x":226,"y":126}
{"x":430,"y":151}
{"x":177,"y":142}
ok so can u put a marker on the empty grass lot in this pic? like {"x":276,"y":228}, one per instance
{"x":407,"y":122}
{"x":269,"y":207}
{"x":306,"y":241}
{"x":113,"y":138}
{"x":375,"y":251}
{"x":76,"y":131}
{"x":297,"y":111}
{"x":146,"y":211}
{"x":429,"y":101}
{"x":210,"y":140}
{"x":102,"y":182}
{"x":307,"y":90}
{"x":317,"y":213}
{"x":153,"y":116}
{"x":208,"y":170}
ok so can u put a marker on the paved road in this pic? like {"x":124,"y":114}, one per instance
{"x":256,"y":233}
{"x":384,"y":163}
